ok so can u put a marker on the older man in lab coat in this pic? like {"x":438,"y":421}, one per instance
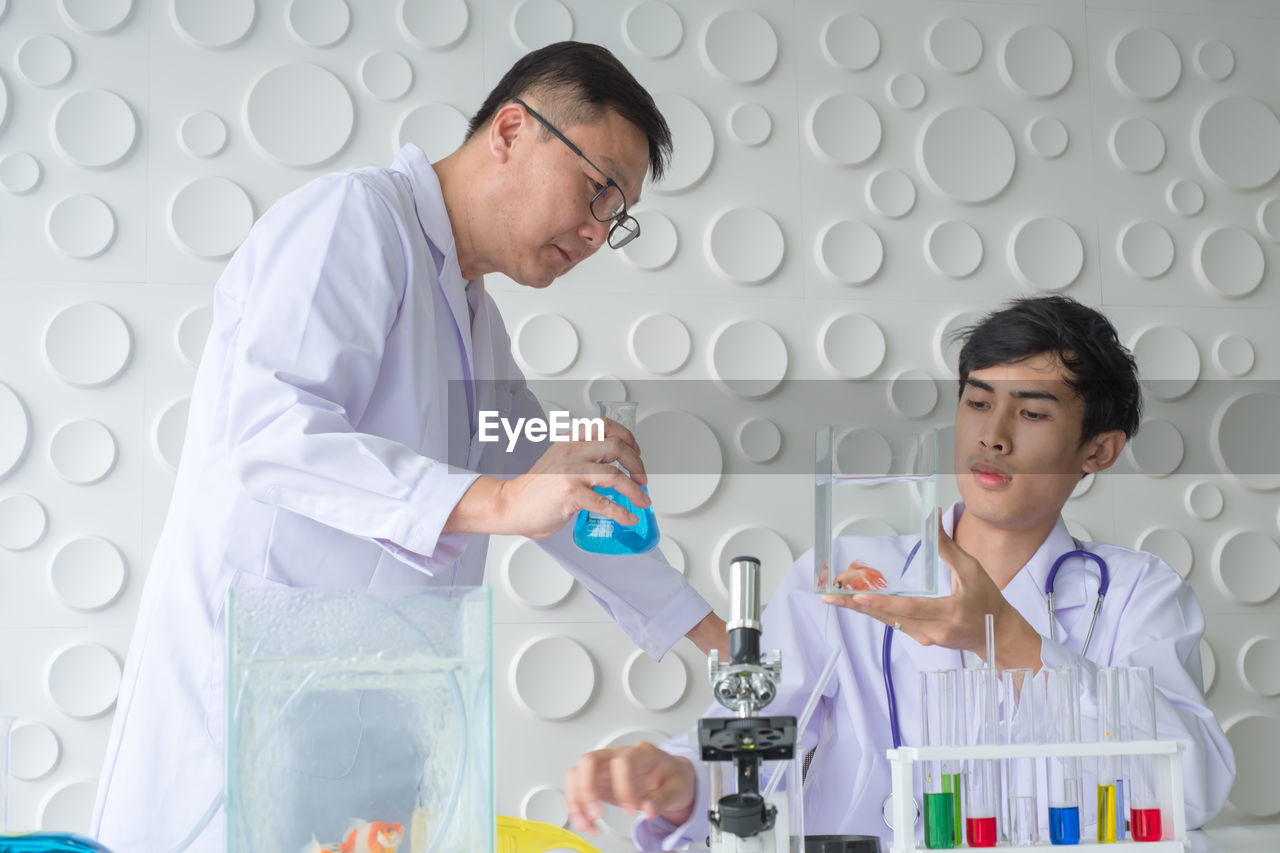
{"x":1047,"y":395}
{"x":330,"y":432}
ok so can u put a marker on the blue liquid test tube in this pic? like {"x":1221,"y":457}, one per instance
{"x":1062,"y":704}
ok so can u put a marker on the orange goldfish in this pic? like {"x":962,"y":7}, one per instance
{"x":861,"y":578}
{"x":376,"y":837}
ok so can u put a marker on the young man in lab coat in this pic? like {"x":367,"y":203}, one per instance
{"x":332,"y":437}
{"x":1047,"y":395}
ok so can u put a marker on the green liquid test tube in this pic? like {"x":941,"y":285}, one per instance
{"x":939,"y":821}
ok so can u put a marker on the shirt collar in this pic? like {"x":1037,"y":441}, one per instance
{"x":428,"y":200}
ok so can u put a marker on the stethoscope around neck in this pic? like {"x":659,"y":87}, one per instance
{"x":1104,"y":583}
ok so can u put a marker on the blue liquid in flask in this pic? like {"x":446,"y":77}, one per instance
{"x":49,"y":842}
{"x":600,"y":535}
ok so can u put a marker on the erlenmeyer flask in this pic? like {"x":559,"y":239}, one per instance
{"x":601,"y":535}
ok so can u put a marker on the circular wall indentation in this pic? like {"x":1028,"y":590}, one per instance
{"x":212,"y":25}
{"x":1214,"y":60}
{"x":1255,"y":739}
{"x":1158,"y":448}
{"x":82,"y":451}
{"x":34,"y":751}
{"x":863,"y":451}
{"x":745,"y":245}
{"x":740,"y":46}
{"x":546,"y":344}
{"x":1145,"y":249}
{"x":170,"y":431}
{"x":1234,"y":355}
{"x":852,"y":345}
{"x":1048,"y":137}
{"x":761,"y":542}
{"x":386,"y":75}
{"x":1046,"y":253}
{"x":1036,"y":61}
{"x":953,"y":248}
{"x":1204,"y":501}
{"x":87,"y":344}
{"x":891,"y":193}
{"x":1242,"y":439}
{"x":15,"y":429}
{"x":88,"y":573}
{"x":953,"y":44}
{"x":1169,"y":545}
{"x":94,"y":128}
{"x":654,"y":685}
{"x":82,"y":680}
{"x":913,"y":393}
{"x":967,"y":154}
{"x":1229,"y":261}
{"x":652,"y":29}
{"x":683,"y":458}
{"x":905,"y":90}
{"x":546,"y":804}
{"x":674,"y":554}
{"x":1260,"y":666}
{"x":19,"y":172}
{"x":299,"y":115}
{"x":750,"y":124}
{"x":844,"y":129}
{"x":98,"y":17}
{"x":657,"y":244}
{"x":659,"y":343}
{"x":43,"y":60}
{"x":1246,"y":565}
{"x":552,"y":677}
{"x":603,"y":387}
{"x":946,"y":342}
{"x":81,"y":226}
{"x":1184,"y":197}
{"x":23,"y":522}
{"x":318,"y":23}
{"x":438,"y":129}
{"x":202,"y":134}
{"x":4,"y":100}
{"x":1137,"y":144}
{"x":693,"y":142}
{"x":534,"y":578}
{"x":1268,"y":216}
{"x":192,"y":332}
{"x":1208,"y":665}
{"x":1237,"y":140}
{"x":850,"y":252}
{"x":433,"y":24}
{"x":749,"y":358}
{"x":210,"y":217}
{"x":850,"y":42}
{"x":538,"y":23}
{"x":1145,"y":63}
{"x":69,"y":804}
{"x":1168,"y":361}
{"x":758,"y":440}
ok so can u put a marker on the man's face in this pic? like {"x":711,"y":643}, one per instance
{"x":548,"y":221}
{"x":1018,"y":454}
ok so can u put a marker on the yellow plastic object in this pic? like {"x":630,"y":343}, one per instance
{"x":517,"y":835}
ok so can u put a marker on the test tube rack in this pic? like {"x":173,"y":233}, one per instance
{"x":1168,"y":761}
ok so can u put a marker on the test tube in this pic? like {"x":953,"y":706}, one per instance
{"x":1020,"y":728}
{"x":1140,"y":724}
{"x":1110,"y":785}
{"x":1062,"y":709}
{"x":982,"y":787}
{"x":942,"y":806}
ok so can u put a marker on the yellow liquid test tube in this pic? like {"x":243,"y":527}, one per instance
{"x":1107,"y":814}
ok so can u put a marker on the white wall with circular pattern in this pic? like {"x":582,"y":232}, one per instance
{"x":849,"y":186}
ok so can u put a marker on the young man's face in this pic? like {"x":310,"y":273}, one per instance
{"x":1018,"y":451}
{"x":548,"y":221}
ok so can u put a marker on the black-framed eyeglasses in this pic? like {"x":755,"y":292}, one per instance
{"x":609,"y":204}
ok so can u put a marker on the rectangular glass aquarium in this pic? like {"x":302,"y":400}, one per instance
{"x":360,"y":719}
{"x":876,"y":511}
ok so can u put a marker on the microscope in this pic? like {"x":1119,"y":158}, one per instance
{"x":744,"y":821}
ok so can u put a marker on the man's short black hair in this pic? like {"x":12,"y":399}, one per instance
{"x":574,"y":83}
{"x":1102,"y":370}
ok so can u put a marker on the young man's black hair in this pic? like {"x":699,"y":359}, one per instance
{"x":1103,"y":372}
{"x":574,"y":82}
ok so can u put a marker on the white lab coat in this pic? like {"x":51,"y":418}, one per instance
{"x":329,"y":438}
{"x":1150,"y":617}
